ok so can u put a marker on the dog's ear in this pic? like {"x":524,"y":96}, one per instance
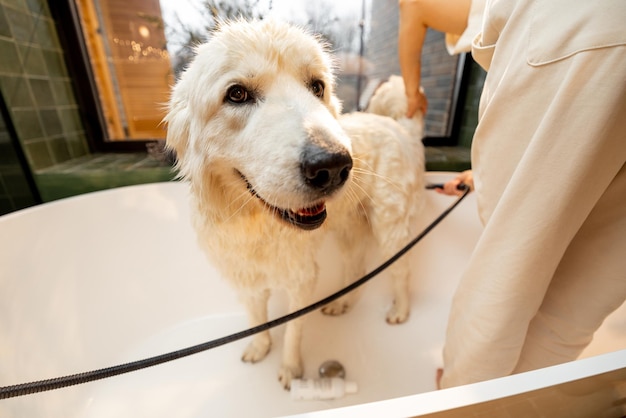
{"x":177,"y":122}
{"x":335,"y":106}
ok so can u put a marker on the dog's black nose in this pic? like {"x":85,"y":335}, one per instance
{"x":325,"y":168}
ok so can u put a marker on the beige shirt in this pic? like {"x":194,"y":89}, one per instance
{"x":548,"y":160}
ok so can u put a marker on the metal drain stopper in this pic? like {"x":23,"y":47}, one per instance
{"x":332,"y":368}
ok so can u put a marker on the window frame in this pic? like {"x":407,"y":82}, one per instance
{"x":71,"y":37}
{"x":451,"y":137}
{"x":69,"y":30}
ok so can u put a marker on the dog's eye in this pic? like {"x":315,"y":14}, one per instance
{"x":317,"y":87}
{"x":238,"y":94}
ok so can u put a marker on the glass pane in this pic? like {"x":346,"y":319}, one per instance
{"x":131,"y":66}
{"x":189,"y":22}
{"x":138,"y":47}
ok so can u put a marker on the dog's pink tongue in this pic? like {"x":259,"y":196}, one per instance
{"x":312,"y":211}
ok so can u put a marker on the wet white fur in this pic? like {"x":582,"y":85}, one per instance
{"x":252,"y":247}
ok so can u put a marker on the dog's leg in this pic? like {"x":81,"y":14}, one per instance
{"x":401,"y":308}
{"x":392,"y":231}
{"x":292,"y":366}
{"x":256,"y":305}
{"x":353,"y":257}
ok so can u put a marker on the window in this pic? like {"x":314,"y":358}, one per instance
{"x":126,"y":46}
{"x":126,"y":54}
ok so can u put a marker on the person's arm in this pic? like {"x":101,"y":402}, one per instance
{"x":411,"y":34}
{"x":415,"y":17}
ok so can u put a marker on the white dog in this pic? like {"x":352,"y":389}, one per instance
{"x":273,"y":166}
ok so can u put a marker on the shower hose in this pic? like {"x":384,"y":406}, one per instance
{"x":23,"y":389}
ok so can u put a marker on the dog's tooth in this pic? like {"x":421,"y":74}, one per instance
{"x":311,"y":210}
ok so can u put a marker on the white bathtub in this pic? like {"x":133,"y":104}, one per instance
{"x":115,"y":276}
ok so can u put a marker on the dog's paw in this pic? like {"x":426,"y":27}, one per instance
{"x":289,"y":372}
{"x":397,"y":314}
{"x":256,"y":351}
{"x":338,"y":307}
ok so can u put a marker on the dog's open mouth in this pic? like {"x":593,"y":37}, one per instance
{"x":304,"y":218}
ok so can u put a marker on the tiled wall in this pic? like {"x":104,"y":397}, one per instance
{"x":36,"y":87}
{"x":15,"y":191}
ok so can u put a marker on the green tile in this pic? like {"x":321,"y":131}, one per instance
{"x":42,"y":92}
{"x":46,"y":34}
{"x":16,"y":91}
{"x":21,"y":23}
{"x":57,"y":186}
{"x":15,"y":183}
{"x":16,"y":4}
{"x":77,"y":145}
{"x":51,"y":122}
{"x":38,"y":154}
{"x":70,"y":120}
{"x":466,"y":135}
{"x":63,"y":92}
{"x":38,"y":7}
{"x":98,"y":172}
{"x":8,"y":156}
{"x":105,"y":162}
{"x":32,"y":58}
{"x":10,"y":62}
{"x":5,"y":29}
{"x":59,"y":149}
{"x":54,"y":63}
{"x":27,"y":124}
{"x":447,"y":158}
{"x":72,"y":165}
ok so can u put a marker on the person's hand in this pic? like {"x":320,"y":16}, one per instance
{"x":451,"y":187}
{"x":438,"y":377}
{"x":415,"y":103}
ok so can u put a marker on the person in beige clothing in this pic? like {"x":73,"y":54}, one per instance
{"x":548,"y":160}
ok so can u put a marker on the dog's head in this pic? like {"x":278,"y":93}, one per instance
{"x":257,"y":106}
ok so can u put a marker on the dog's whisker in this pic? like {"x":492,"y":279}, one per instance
{"x":377,"y":175}
{"x":366,"y":164}
{"x":356,"y":183}
{"x":244,"y":195}
{"x":272,"y":208}
{"x":238,"y":210}
{"x":354,"y":196}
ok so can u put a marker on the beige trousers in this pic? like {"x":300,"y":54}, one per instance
{"x":548,"y":160}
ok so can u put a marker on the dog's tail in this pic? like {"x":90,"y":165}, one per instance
{"x":389,"y":100}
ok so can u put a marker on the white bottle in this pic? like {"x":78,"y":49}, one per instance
{"x":320,"y":389}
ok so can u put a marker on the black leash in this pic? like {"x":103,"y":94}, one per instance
{"x":80,"y":378}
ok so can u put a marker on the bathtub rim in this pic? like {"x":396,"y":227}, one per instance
{"x":448,"y":400}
